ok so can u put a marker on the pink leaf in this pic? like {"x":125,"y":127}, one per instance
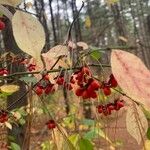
{"x":132,"y":76}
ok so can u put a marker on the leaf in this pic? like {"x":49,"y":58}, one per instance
{"x":28,"y":33}
{"x":28,"y":79}
{"x":88,"y":22}
{"x":9,"y":88}
{"x":85,"y":144}
{"x":148,"y":133}
{"x":59,"y":50}
{"x":123,"y":39}
{"x":136,"y":123}
{"x":90,"y":135}
{"x":29,"y":5}
{"x":147,"y":145}
{"x":10,"y":2}
{"x":111,"y":2}
{"x":15,"y":146}
{"x":131,"y":75}
{"x":96,"y":54}
{"x":88,"y":122}
{"x":74,"y":139}
{"x":6,"y":12}
{"x":83,"y":45}
{"x":8,"y":125}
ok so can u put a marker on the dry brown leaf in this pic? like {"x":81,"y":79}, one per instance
{"x":136,"y":123}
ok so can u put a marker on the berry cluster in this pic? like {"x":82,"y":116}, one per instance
{"x":106,"y":86}
{"x":45,"y":86}
{"x":87,"y":86}
{"x":31,"y":67}
{"x":3,"y":72}
{"x":61,"y":81}
{"x":51,"y":124}
{"x":2,"y":25}
{"x":107,"y":109}
{"x":3,"y":117}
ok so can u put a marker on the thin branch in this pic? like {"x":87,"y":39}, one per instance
{"x":49,"y":71}
{"x":71,"y":26}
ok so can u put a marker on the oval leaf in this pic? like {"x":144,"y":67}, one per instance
{"x":29,"y":34}
{"x":10,"y":2}
{"x":9,"y":88}
{"x":136,"y":123}
{"x":59,"y":50}
{"x":132,"y":76}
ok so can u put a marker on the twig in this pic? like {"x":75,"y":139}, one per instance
{"x":70,"y":28}
{"x":49,"y":71}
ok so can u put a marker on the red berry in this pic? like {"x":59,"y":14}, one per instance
{"x":31,"y":67}
{"x":119,"y":104}
{"x":79,"y":92}
{"x":51,"y":124}
{"x":106,"y":91}
{"x":85,"y":70}
{"x":46,"y":77}
{"x":85,"y":94}
{"x":2,"y":25}
{"x":39,"y":90}
{"x":3,"y":117}
{"x":95,"y":85}
{"x":100,"y":109}
{"x":112,"y":81}
{"x":49,"y":89}
{"x":93,"y":94}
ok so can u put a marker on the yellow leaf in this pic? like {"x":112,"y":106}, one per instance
{"x":136,"y":123}
{"x":9,"y":88}
{"x":10,"y":2}
{"x":123,"y":39}
{"x":147,"y":145}
{"x":111,"y":2}
{"x":29,"y":5}
{"x":83,"y":45}
{"x":8,"y":125}
{"x":59,"y":50}
{"x":88,"y":22}
{"x":29,"y":34}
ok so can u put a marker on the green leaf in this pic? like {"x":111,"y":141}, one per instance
{"x":96,"y":54}
{"x":74,"y":139}
{"x":88,"y":122}
{"x":15,"y":146}
{"x":85,"y":144}
{"x":148,"y":133}
{"x":28,"y":79}
{"x":90,"y":135}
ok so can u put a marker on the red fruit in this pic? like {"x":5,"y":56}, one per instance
{"x":72,"y":80}
{"x":93,"y":94}
{"x":86,"y":71}
{"x":119,"y":104}
{"x":111,"y":106}
{"x":3,"y":117}
{"x":31,"y":67}
{"x":46,"y":77}
{"x":112,"y":81}
{"x":51,"y":124}
{"x":106,"y":91}
{"x":100,"y":109}
{"x":85,"y":94}
{"x":2,"y":25}
{"x":39,"y":90}
{"x":79,"y":92}
{"x":60,"y":80}
{"x":3,"y":72}
{"x":49,"y":89}
{"x":95,"y":85}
